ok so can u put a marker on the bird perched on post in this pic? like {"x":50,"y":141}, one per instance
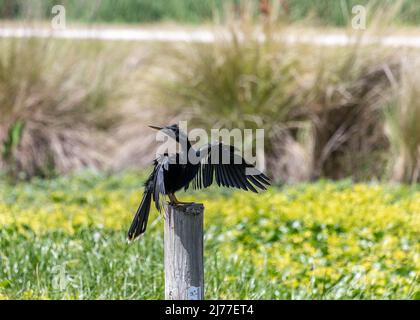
{"x":196,"y":167}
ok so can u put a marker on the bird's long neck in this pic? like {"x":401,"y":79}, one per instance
{"x":185,"y":145}
{"x":183,"y":140}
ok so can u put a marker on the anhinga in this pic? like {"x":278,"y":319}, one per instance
{"x":171,"y":175}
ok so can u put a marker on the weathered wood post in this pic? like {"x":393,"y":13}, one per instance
{"x":184,"y":265}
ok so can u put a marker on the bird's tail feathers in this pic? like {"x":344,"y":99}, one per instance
{"x":139,"y":224}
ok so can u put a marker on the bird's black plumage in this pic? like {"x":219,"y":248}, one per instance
{"x":215,"y":162}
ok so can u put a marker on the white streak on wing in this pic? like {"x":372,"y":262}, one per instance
{"x":160,"y":180}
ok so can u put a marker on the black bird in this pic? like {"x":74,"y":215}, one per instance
{"x":172,"y":173}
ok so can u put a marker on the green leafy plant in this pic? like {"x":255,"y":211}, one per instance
{"x":321,"y":240}
{"x":13,"y":139}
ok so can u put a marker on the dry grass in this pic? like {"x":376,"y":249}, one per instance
{"x":345,"y":99}
{"x":56,"y":101}
{"x":403,"y":119}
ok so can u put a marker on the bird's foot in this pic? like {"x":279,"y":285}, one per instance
{"x":175,"y":202}
{"x":180,"y":203}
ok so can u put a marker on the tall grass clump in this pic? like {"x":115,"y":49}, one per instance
{"x":344,"y":99}
{"x":55,"y":100}
{"x":237,"y":81}
{"x":403,"y":124}
{"x":350,"y":87}
{"x":244,"y":79}
{"x":321,"y":107}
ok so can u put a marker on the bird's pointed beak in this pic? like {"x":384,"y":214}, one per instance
{"x":156,"y":128}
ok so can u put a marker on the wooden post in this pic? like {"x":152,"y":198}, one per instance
{"x":184,"y":265}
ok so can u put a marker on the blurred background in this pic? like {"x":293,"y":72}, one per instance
{"x":332,"y":111}
{"x":334,"y":83}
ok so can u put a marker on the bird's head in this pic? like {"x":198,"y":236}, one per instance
{"x":173,"y":131}
{"x":170,"y":130}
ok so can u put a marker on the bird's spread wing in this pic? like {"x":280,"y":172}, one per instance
{"x":220,"y":162}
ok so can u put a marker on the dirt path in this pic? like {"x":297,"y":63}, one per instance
{"x":336,"y":38}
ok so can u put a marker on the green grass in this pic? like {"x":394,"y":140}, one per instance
{"x":339,"y":12}
{"x":129,"y":11}
{"x":65,"y":239}
{"x":326,"y":12}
